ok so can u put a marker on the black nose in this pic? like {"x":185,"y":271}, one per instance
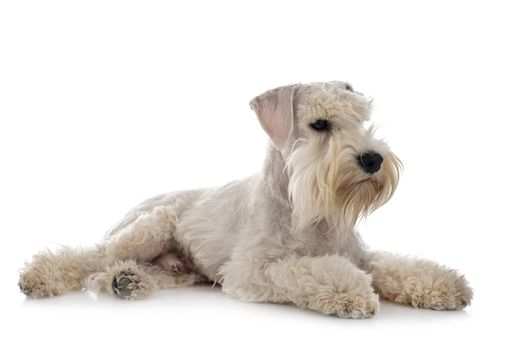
{"x":370,"y":162}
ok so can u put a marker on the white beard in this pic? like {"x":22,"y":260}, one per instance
{"x":327,"y":183}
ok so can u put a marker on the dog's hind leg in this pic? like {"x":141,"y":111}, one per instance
{"x":129,"y":279}
{"x":140,"y":256}
{"x":53,"y":273}
{"x":143,"y":239}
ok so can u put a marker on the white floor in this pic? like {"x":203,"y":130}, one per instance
{"x":203,"y":317}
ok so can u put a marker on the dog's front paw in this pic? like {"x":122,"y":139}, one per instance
{"x":443,"y":289}
{"x":346,"y":305}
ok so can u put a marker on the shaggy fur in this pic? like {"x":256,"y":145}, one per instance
{"x":284,"y":235}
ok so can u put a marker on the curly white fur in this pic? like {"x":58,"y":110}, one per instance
{"x":284,"y":235}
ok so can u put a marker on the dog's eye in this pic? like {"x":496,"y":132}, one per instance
{"x":320,"y":125}
{"x":349,"y":88}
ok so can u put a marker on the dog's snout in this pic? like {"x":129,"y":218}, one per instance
{"x":370,"y":162}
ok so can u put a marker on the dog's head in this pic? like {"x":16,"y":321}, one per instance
{"x":337,"y":170}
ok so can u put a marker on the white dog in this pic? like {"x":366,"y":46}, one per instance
{"x":283,"y":235}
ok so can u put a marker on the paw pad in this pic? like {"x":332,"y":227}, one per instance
{"x":125,"y":284}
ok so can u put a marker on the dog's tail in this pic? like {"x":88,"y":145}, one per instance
{"x":54,"y":273}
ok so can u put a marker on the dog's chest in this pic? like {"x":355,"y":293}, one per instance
{"x":324,"y":241}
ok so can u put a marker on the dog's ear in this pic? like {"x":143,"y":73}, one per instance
{"x":274,"y":109}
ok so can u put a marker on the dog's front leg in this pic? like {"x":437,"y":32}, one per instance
{"x":417,"y":282}
{"x":328,"y":284}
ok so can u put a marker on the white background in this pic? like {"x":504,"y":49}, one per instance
{"x":105,"y":103}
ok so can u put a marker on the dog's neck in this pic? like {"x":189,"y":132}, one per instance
{"x":275,"y":181}
{"x":274,"y":174}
